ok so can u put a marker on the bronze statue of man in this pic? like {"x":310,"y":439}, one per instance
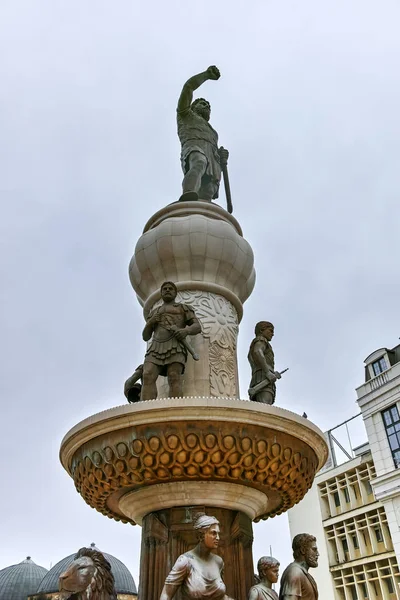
{"x":200,"y":157}
{"x":262,"y":362}
{"x":167,"y":327}
{"x":268,"y":573}
{"x":296,"y":582}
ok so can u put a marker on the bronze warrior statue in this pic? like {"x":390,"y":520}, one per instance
{"x":201,"y":158}
{"x":89,"y":577}
{"x":262,"y":362}
{"x":268,"y":573}
{"x":199,"y":572}
{"x":167,"y":327}
{"x":296,"y":582}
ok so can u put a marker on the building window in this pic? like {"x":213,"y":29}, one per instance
{"x":346,"y":495}
{"x":364,"y":590}
{"x":368,"y":487}
{"x":336,"y":499}
{"x":391,"y":420}
{"x":354,"y":592}
{"x":355,"y":542}
{"x":389,"y":584}
{"x":379,"y":366}
{"x":378,"y":534}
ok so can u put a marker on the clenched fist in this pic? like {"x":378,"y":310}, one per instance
{"x":213,"y":72}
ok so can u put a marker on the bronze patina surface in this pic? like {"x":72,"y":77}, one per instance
{"x":268,"y":574}
{"x":198,"y":445}
{"x":200,"y":156}
{"x":296,"y":580}
{"x":89,"y":576}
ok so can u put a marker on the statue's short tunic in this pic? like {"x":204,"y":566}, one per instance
{"x":257,"y":374}
{"x":164,"y":348}
{"x":197,"y":135}
{"x":297,"y":581}
{"x":263,"y":593}
{"x":194,"y":585}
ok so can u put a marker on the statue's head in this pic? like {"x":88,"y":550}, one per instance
{"x":305,"y":549}
{"x":268,"y":568}
{"x":202,"y":107}
{"x":207,"y":529}
{"x":168,"y":291}
{"x":89,"y":577}
{"x":266,"y":329}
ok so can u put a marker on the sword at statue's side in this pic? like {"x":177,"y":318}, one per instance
{"x":184,"y":342}
{"x":263,"y":384}
{"x":224,"y":168}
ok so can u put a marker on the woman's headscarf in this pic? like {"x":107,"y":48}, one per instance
{"x":203,"y":521}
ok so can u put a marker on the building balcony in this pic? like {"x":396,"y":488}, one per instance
{"x":378,"y":385}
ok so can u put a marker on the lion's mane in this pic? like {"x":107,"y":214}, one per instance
{"x":102,"y":586}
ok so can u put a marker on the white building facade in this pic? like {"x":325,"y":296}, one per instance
{"x":354,"y":509}
{"x":379,"y":402}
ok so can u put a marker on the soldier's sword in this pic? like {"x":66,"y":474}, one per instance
{"x":224,"y":169}
{"x":183,"y":342}
{"x":263,"y":384}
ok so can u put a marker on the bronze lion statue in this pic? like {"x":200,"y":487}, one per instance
{"x":88,"y":578}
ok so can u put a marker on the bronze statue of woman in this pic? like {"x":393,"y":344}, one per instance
{"x":199,"y":572}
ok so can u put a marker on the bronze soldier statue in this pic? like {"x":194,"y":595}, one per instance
{"x":268,"y":573}
{"x":200,"y":157}
{"x":167,"y":327}
{"x":296,"y":582}
{"x":262,"y":362}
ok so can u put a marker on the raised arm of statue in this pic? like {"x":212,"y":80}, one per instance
{"x":186,"y":97}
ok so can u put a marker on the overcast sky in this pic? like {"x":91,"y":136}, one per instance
{"x":308,"y":105}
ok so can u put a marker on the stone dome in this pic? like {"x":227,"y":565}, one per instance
{"x":124,"y":582}
{"x":198,"y":246}
{"x":18,"y":581}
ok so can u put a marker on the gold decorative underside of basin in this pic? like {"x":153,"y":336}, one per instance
{"x":177,"y":440}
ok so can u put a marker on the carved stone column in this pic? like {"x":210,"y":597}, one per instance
{"x":155,"y":537}
{"x":200,"y":247}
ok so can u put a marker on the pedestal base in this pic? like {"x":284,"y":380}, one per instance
{"x":169,"y":533}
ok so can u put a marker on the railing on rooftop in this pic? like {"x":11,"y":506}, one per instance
{"x":379,"y":380}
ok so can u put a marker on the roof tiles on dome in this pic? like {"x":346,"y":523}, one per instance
{"x":18,"y":581}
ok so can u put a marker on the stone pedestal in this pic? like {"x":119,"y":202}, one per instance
{"x":200,"y":247}
{"x":158,"y":462}
{"x":155,"y":463}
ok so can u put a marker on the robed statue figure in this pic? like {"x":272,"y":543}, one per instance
{"x":198,"y":573}
{"x":296,"y":582}
{"x":268,"y":574}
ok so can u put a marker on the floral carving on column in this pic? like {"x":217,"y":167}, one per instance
{"x":219,"y":324}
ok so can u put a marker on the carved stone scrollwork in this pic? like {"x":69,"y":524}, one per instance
{"x":248,"y":455}
{"x":218,"y":317}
